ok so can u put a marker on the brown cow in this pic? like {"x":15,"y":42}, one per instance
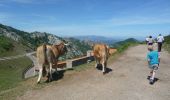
{"x":48,"y":55}
{"x":101,"y":55}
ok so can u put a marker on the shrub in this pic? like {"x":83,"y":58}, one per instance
{"x":5,"y":44}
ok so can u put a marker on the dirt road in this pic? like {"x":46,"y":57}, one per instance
{"x":126,"y":81}
{"x":17,"y":56}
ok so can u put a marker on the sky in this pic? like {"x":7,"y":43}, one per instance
{"x":109,"y":18}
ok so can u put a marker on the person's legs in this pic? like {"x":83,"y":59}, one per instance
{"x":153,"y":75}
{"x":159,"y":46}
{"x":153,"y":72}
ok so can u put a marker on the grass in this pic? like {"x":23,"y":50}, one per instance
{"x":125,"y":46}
{"x":9,"y":47}
{"x":166,"y":44}
{"x":11,"y":72}
{"x":167,"y":47}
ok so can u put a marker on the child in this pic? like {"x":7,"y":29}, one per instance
{"x":153,"y":62}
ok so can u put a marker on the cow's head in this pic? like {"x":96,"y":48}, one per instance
{"x":62,"y":48}
{"x":108,"y":50}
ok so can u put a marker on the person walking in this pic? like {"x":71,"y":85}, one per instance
{"x":150,"y":40}
{"x":153,"y":59}
{"x":160,"y":40}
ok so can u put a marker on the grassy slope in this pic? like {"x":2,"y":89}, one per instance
{"x":123,"y":45}
{"x":11,"y":72}
{"x":167,"y":43}
{"x":16,"y":48}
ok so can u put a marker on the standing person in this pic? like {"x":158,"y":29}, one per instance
{"x":150,"y":40}
{"x":160,"y":40}
{"x":153,"y":62}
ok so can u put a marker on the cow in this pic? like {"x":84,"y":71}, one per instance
{"x":101,"y":55}
{"x":47,"y":57}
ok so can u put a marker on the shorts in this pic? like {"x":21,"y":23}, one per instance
{"x":154,"y":67}
{"x":150,"y":43}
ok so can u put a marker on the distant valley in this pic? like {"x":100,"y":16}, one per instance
{"x":98,"y":39}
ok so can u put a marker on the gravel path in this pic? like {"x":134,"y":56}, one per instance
{"x":15,"y":57}
{"x":126,"y":81}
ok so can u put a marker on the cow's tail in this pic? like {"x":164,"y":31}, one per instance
{"x":44,"y":72}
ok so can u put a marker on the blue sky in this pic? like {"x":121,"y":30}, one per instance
{"x":110,"y":18}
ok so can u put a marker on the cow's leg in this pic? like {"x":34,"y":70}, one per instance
{"x":50,"y":77}
{"x":96,"y":63}
{"x":104,"y":67}
{"x":55,"y":66}
{"x":40,"y":74}
{"x":48,"y":74}
{"x":105,"y":64}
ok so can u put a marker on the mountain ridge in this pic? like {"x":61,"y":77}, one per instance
{"x":34,"y":39}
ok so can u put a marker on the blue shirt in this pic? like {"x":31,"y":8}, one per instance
{"x":153,"y":56}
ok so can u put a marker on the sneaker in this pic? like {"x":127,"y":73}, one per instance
{"x":151,"y":81}
{"x":148,"y":77}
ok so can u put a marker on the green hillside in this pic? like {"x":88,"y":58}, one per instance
{"x":25,"y":40}
{"x":11,"y":72}
{"x":5,"y":44}
{"x":80,"y":44}
{"x":9,"y":47}
{"x":123,"y":45}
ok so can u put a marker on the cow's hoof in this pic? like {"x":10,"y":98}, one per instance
{"x":47,"y":81}
{"x":50,"y":80}
{"x":104,"y":73}
{"x":56,"y":72}
{"x":38,"y":82}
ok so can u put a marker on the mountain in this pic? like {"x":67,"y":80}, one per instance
{"x":129,"y":40}
{"x":97,"y":39}
{"x":123,"y":45}
{"x":75,"y":43}
{"x":9,"y":47}
{"x":32,"y":40}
